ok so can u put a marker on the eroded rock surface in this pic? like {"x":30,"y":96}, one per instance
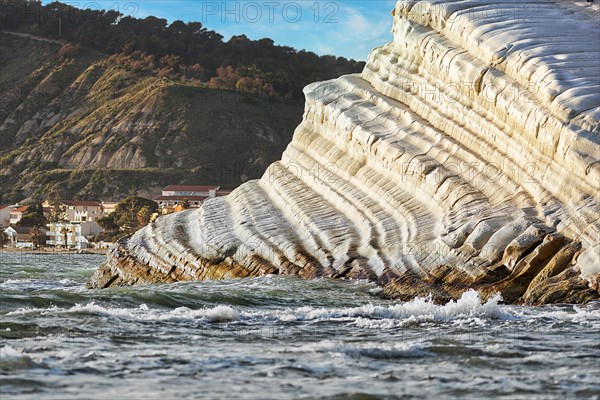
{"x":466,"y":155}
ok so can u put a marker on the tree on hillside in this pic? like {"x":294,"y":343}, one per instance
{"x":58,"y":212}
{"x":195,"y":72}
{"x":227,"y":78}
{"x":37,"y":208}
{"x":170,"y":60}
{"x":32,"y":219}
{"x":68,"y":51}
{"x":128,"y":210}
{"x":108,"y":223}
{"x":144,"y":216}
{"x":177,"y":46}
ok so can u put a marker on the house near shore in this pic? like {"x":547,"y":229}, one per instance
{"x":19,"y":236}
{"x":5,"y":215}
{"x":173,"y":197}
{"x":16,"y":213}
{"x":79,"y":210}
{"x":69,"y":235}
{"x":80,"y":221}
{"x":83,"y":212}
{"x":12,"y":234}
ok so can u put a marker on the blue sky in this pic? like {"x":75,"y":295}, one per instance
{"x":343,"y":28}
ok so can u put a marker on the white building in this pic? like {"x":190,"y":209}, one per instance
{"x":200,"y":191}
{"x":5,"y":215}
{"x":173,"y":196}
{"x":81,"y":211}
{"x":108,"y":207}
{"x":12,"y":235}
{"x":16,"y":213}
{"x":69,"y":235}
{"x":19,"y":236}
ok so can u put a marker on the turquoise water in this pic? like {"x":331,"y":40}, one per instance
{"x":278,"y":338}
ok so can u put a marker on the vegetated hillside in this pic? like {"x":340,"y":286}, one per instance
{"x":77,"y":123}
{"x":178,"y":49}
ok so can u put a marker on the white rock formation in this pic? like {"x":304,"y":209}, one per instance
{"x":467,"y":154}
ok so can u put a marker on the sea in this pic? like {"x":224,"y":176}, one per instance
{"x":278,"y":337}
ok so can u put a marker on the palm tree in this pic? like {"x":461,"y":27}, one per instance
{"x":65,"y":233}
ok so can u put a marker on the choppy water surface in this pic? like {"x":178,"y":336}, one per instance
{"x":278,"y":337}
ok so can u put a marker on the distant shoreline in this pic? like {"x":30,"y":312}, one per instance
{"x":52,"y":251}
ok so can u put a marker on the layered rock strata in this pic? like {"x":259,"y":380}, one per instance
{"x":466,"y":155}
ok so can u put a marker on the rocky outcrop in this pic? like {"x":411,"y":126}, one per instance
{"x":466,"y":155}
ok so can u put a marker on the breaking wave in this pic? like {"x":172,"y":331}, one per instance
{"x":12,"y":359}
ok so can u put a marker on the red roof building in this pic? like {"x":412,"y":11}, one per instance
{"x":172,"y":196}
{"x":16,"y":213}
{"x":80,"y":203}
{"x":190,"y":188}
{"x":180,"y":198}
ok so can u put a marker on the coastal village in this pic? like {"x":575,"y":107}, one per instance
{"x":92,"y":224}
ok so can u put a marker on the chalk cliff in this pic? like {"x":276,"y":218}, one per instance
{"x":466,"y":155}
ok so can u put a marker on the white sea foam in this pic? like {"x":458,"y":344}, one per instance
{"x":8,"y":352}
{"x":11,"y":282}
{"x":467,"y":311}
{"x":14,"y":358}
{"x":372,"y":350}
{"x":39,"y":284}
{"x":31,"y":310}
{"x":220,"y":313}
{"x":469,"y":306}
{"x":362,"y":322}
{"x":581,"y":314}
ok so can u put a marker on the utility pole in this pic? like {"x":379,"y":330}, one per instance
{"x":59,"y":26}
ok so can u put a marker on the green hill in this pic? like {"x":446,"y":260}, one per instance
{"x":79,"y":123}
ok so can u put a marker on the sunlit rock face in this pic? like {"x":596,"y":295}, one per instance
{"x":466,"y":155}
